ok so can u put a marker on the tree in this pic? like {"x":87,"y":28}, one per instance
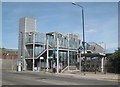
{"x":114,"y":60}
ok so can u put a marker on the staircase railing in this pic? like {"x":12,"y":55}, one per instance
{"x":41,"y":53}
{"x":64,"y":69}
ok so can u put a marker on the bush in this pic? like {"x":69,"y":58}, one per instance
{"x":114,"y":62}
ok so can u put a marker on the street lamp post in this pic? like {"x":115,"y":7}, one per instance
{"x":82,"y":27}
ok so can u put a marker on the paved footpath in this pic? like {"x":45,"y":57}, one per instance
{"x":92,"y":75}
{"x":87,"y":75}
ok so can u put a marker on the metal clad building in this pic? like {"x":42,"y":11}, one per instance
{"x":51,"y":46}
{"x":94,"y":47}
{"x":27,"y":27}
{"x":26,"y":24}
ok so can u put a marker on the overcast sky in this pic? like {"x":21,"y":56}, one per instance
{"x":101,"y":20}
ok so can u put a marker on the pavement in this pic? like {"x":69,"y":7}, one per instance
{"x":86,"y":75}
{"x":45,"y":78}
{"x":92,"y":75}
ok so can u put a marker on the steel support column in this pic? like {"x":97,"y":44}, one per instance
{"x":57,"y":55}
{"x":47,"y":56}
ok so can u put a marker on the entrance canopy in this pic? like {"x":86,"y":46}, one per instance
{"x":93,"y":55}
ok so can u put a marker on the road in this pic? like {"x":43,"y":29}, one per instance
{"x":37,"y":78}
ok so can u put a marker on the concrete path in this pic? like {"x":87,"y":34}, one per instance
{"x":86,"y":75}
{"x":45,"y":78}
{"x":92,"y":75}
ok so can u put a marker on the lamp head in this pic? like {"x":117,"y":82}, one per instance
{"x":73,"y":3}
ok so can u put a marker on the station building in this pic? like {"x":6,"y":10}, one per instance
{"x":37,"y":51}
